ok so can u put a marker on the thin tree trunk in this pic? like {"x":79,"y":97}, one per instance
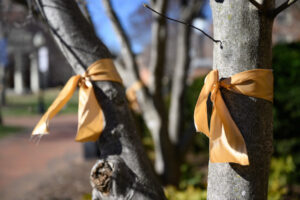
{"x":176,"y":115}
{"x":166,"y":163}
{"x":179,"y":84}
{"x":123,"y":172}
{"x":246,"y":35}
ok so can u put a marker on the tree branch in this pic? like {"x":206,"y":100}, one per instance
{"x":158,"y":46}
{"x":282,"y":7}
{"x":256,"y":4}
{"x":165,"y":159}
{"x":176,"y":116}
{"x":84,"y":9}
{"x":127,"y":52}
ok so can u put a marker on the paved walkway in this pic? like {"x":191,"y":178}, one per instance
{"x":24,"y":163}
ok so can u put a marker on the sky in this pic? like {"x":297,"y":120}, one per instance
{"x":124,"y":10}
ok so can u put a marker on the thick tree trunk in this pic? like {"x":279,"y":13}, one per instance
{"x":123,"y":172}
{"x":246,"y":36}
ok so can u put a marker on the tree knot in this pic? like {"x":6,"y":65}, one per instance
{"x":101,"y":177}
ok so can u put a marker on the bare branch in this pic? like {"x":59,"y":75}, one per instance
{"x":158,"y":46}
{"x":256,"y":4}
{"x":176,"y":116}
{"x":282,"y":7}
{"x":84,"y":9}
{"x":165,"y":159}
{"x":127,"y":54}
{"x":187,"y":24}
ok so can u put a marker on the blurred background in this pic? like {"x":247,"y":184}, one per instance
{"x":33,"y":70}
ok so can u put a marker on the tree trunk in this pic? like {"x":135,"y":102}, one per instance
{"x":166,"y":163}
{"x":246,"y":35}
{"x":179,"y":85}
{"x":176,"y":116}
{"x":123,"y":171}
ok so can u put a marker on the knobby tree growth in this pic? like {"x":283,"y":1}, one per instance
{"x":123,"y":170}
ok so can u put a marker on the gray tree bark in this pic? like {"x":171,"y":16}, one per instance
{"x":166,"y":163}
{"x":176,"y":115}
{"x":123,"y":171}
{"x":246,"y":33}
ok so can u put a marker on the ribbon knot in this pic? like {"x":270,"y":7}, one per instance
{"x":91,"y":121}
{"x":226,"y":141}
{"x":85,"y":81}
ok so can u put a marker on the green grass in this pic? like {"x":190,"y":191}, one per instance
{"x":7,"y":130}
{"x":28,"y":104}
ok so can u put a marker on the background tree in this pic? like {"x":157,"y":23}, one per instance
{"x":166,"y":133}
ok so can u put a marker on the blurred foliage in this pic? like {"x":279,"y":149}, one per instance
{"x":280,"y":170}
{"x":190,"y":193}
{"x":200,"y":142}
{"x":7,"y":130}
{"x":286,"y":162}
{"x":28,"y":104}
{"x":86,"y":197}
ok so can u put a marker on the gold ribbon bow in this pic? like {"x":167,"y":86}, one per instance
{"x":91,"y":120}
{"x":226,"y":141}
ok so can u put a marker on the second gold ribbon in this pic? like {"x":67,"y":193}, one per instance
{"x":226,"y":141}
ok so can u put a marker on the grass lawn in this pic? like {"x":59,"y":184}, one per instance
{"x":7,"y":130}
{"x":28,"y":104}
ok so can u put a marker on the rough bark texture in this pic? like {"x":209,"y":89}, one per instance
{"x":123,"y":171}
{"x":166,"y":164}
{"x":246,"y":36}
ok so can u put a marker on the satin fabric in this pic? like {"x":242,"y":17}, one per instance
{"x":226,"y":141}
{"x":91,"y":121}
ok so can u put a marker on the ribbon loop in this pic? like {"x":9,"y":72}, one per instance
{"x":91,"y":121}
{"x":214,"y":91}
{"x":226,"y":141}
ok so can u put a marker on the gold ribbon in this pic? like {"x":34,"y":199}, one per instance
{"x":226,"y":141}
{"x":91,"y":120}
{"x":131,"y":95}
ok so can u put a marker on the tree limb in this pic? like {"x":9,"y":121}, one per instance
{"x":121,"y":149}
{"x":127,"y":52}
{"x":158,"y":46}
{"x":256,"y":4}
{"x":165,"y":159}
{"x":176,"y":115}
{"x":282,"y":7}
{"x":84,"y":9}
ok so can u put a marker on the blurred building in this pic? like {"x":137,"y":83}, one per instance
{"x":34,"y":61}
{"x":286,"y":27}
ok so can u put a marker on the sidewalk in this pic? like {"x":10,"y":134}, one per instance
{"x":25,"y":165}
